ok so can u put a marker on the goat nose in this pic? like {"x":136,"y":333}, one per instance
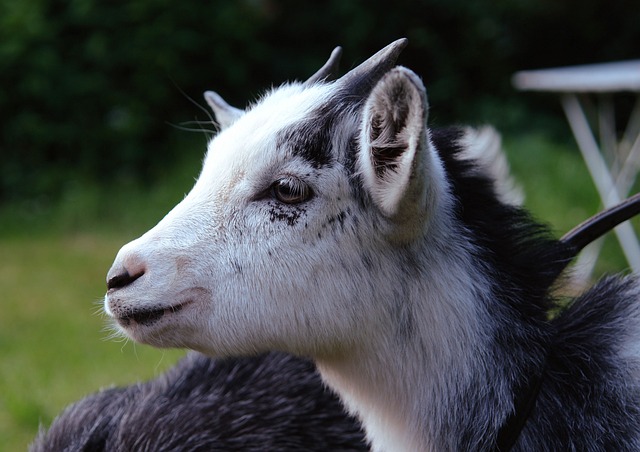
{"x":127,"y":268}
{"x":122,"y":280}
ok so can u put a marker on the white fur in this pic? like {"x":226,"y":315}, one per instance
{"x":484,"y":146}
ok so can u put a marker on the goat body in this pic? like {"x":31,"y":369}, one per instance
{"x":329,"y":221}
{"x":270,"y":402}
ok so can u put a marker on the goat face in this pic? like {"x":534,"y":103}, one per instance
{"x":284,"y":241}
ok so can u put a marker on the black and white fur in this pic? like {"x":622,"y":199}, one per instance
{"x":329,"y":221}
{"x":270,"y":402}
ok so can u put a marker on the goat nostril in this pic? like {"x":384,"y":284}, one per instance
{"x":122,"y":280}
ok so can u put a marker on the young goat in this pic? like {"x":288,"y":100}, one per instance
{"x":329,"y":221}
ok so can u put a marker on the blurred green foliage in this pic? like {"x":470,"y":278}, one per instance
{"x":89,"y":88}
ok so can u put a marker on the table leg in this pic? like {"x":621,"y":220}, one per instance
{"x":600,"y":175}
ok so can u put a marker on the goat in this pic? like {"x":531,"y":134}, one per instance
{"x":273,"y":401}
{"x":330,"y":221}
{"x":270,"y":402}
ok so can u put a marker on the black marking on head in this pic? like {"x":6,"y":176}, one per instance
{"x":310,"y":139}
{"x":339,"y":219}
{"x":313,"y":138}
{"x":355,"y":182}
{"x":287,"y":213}
{"x":333,"y":221}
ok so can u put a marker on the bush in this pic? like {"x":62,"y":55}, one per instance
{"x":90,"y":87}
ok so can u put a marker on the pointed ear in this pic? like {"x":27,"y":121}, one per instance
{"x":393,"y":158}
{"x":225,"y":114}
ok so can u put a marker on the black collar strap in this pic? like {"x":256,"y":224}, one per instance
{"x":523,"y":406}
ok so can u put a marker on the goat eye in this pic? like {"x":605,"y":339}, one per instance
{"x":290,"y":190}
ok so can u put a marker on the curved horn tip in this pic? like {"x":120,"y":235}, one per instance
{"x":329,"y":69}
{"x":386,"y":57}
{"x":333,"y":62}
{"x":360,"y":80}
{"x":395,"y":47}
{"x":336,"y":54}
{"x":400,"y":42}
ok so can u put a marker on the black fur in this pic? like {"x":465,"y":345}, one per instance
{"x":589,"y":398}
{"x":517,"y":247}
{"x":311,"y":139}
{"x":270,"y":402}
{"x":590,"y":395}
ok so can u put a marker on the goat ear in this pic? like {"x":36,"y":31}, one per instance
{"x":225,"y":114}
{"x":394,"y":158}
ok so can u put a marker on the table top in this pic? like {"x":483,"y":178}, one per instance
{"x":600,"y":78}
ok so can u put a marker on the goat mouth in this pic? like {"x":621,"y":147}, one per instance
{"x":147,"y":317}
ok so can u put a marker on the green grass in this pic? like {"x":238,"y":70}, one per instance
{"x":55,"y":348}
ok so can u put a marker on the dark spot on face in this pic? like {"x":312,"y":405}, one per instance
{"x":338,"y":219}
{"x":288,"y":213}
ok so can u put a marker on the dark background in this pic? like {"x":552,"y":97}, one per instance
{"x":89,"y":90}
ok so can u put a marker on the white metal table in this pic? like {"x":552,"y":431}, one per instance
{"x":612,"y":162}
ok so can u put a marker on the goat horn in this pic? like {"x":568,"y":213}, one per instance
{"x":360,"y":80}
{"x":599,"y":224}
{"x":329,"y":69}
{"x":593,"y":228}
